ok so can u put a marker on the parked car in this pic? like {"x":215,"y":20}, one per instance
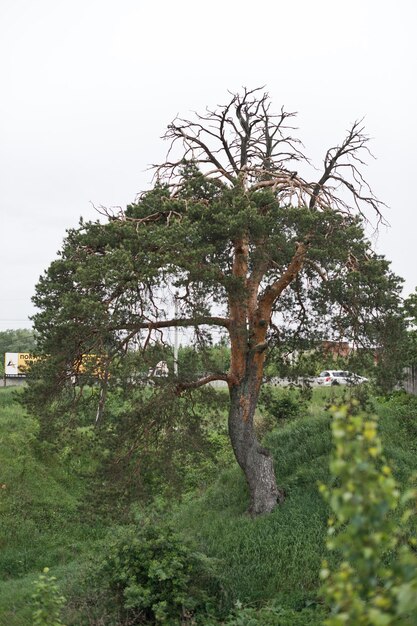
{"x":340,"y":377}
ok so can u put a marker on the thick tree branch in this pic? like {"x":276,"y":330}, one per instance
{"x":172,"y":323}
{"x":272,"y":292}
{"x":183,"y":386}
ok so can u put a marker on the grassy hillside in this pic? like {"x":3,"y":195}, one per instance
{"x":39,"y":498}
{"x":39,"y":511}
{"x":275,"y":555}
{"x":272,"y":560}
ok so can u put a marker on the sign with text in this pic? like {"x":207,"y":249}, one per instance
{"x":16,"y":364}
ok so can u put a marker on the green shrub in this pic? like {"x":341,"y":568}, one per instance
{"x":282,"y":404}
{"x":375,"y":582}
{"x":149,"y":575}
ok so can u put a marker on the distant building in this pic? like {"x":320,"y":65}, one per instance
{"x":336,"y":349}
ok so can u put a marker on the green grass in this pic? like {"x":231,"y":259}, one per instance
{"x":270,"y":559}
{"x":16,"y":605}
{"x":323,"y":397}
{"x":39,"y":499}
{"x":398,"y":429}
{"x":278,"y":555}
{"x":15,"y":601}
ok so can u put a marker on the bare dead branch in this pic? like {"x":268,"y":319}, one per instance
{"x":348,"y":156}
{"x":242,"y":143}
{"x":243,"y":131}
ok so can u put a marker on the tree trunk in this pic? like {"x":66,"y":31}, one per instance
{"x":255,"y":461}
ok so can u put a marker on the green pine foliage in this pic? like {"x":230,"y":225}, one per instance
{"x":230,"y":242}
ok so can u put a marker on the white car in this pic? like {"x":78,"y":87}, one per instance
{"x":340,"y":377}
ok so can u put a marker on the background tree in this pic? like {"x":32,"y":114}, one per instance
{"x":20,"y":340}
{"x":410,"y":320}
{"x":230,"y":240}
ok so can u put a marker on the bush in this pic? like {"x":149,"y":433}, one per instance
{"x":375,"y":583}
{"x":150,"y":576}
{"x":282,"y":404}
{"x":47,"y":600}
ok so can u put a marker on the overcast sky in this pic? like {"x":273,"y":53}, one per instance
{"x":89,"y":86}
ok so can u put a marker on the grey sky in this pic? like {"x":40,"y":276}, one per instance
{"x":88,"y":87}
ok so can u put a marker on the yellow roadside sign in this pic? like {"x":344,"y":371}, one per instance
{"x":18,"y":363}
{"x":25,"y":360}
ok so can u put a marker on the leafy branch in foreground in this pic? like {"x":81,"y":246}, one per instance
{"x":375,"y":583}
{"x":47,"y":600}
